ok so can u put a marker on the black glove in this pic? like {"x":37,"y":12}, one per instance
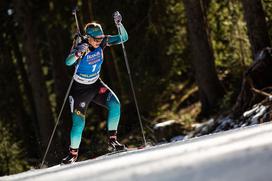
{"x":117,"y":18}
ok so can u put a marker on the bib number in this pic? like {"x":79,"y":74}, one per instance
{"x":93,"y":67}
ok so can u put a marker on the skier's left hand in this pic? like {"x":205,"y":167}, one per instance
{"x":117,"y":18}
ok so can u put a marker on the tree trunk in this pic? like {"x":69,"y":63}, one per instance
{"x":205,"y":4}
{"x":88,"y":16}
{"x":210,"y":88}
{"x":11,"y":97}
{"x":31,"y":135}
{"x":258,"y":76}
{"x":119,"y":82}
{"x":256,"y":25}
{"x":58,"y":48}
{"x":25,"y":15}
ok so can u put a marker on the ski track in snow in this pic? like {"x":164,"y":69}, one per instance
{"x":243,"y":154}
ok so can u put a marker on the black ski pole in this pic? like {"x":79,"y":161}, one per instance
{"x":131,"y":82}
{"x":65,"y":98}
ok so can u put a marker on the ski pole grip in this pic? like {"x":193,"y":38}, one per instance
{"x":117,"y":18}
{"x":75,"y":10}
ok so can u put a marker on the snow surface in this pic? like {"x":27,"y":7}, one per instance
{"x":243,"y":154}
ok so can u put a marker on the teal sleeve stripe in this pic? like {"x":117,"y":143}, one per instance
{"x":113,"y":114}
{"x":117,"y":39}
{"x":76,"y":131}
{"x":123,"y":32}
{"x":71,"y":59}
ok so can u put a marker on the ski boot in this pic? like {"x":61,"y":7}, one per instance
{"x":71,"y":158}
{"x":114,"y":145}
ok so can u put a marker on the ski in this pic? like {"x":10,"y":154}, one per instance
{"x":119,"y":152}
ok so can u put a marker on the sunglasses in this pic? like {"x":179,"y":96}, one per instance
{"x":95,"y":39}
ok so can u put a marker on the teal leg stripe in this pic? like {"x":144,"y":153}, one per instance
{"x":113,"y":114}
{"x":76,"y":131}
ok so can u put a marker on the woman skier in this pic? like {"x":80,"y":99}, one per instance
{"x":88,"y":87}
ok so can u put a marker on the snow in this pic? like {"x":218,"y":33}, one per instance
{"x":243,"y":154}
{"x":257,"y":111}
{"x":177,"y":138}
{"x":163,"y":124}
{"x":260,"y":112}
{"x":250,"y":112}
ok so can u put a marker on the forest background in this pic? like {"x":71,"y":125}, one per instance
{"x":187,"y":60}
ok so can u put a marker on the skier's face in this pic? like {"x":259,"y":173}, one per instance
{"x":95,"y":42}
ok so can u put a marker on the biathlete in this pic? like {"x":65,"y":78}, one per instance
{"x":88,"y":87}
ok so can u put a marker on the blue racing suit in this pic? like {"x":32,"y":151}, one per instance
{"x":88,"y":87}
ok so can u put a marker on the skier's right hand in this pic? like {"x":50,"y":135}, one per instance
{"x":81,"y":49}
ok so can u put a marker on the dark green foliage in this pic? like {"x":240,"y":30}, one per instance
{"x":267,"y":5}
{"x":12,"y":154}
{"x":228,"y":34}
{"x":158,"y":54}
{"x":230,"y":44}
